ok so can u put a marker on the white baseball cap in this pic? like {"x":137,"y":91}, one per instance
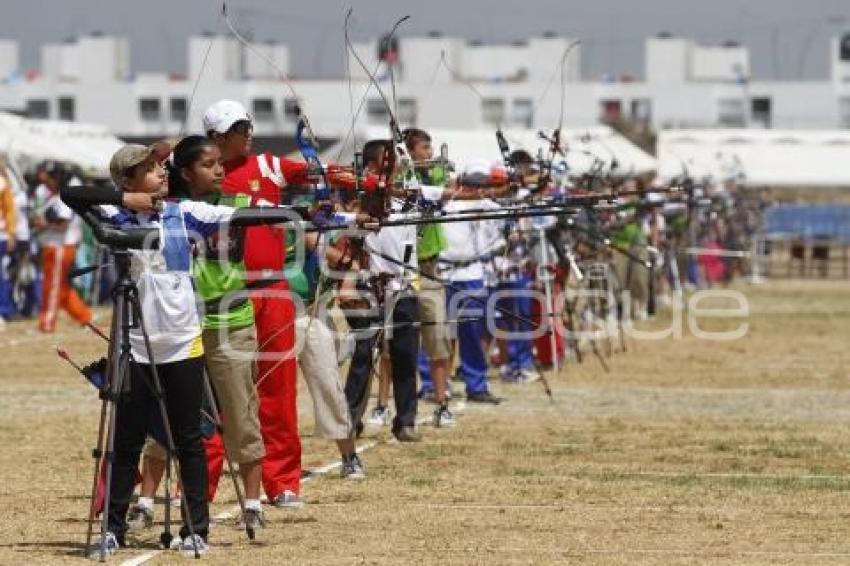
{"x":221,"y":116}
{"x":476,"y":173}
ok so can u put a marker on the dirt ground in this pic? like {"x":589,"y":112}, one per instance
{"x":687,"y":451}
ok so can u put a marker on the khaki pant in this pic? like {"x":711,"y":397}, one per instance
{"x":315,"y":348}
{"x":232,"y":372}
{"x":432,"y":314}
{"x":633,"y":278}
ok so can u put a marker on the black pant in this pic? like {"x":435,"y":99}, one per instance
{"x":183,"y":386}
{"x":404,"y":351}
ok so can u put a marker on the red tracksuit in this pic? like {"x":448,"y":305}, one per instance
{"x":263,"y":177}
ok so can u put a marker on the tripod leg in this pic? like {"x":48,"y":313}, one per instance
{"x":98,"y":460}
{"x":102,"y":430}
{"x":119,"y":364}
{"x":160,"y":397}
{"x":571,"y":324}
{"x":208,"y":391}
{"x":594,"y":309}
{"x":166,"y":537}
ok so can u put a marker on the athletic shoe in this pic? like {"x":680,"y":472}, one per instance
{"x":2,"y":324}
{"x":352,"y":468}
{"x":112,"y":546}
{"x":483,"y":397}
{"x":288,"y":500}
{"x":528,"y":375}
{"x":426,"y":395}
{"x":380,"y":416}
{"x":139,"y":518}
{"x":443,"y":417}
{"x":407,"y":434}
{"x":253,"y":518}
{"x":192,"y":543}
{"x":508,"y":374}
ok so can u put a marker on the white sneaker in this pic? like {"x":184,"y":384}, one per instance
{"x":507,"y":374}
{"x":380,"y":416}
{"x":112,"y":546}
{"x":288,"y":500}
{"x":444,"y":418}
{"x":253,"y":518}
{"x":139,"y":518}
{"x":352,"y":468}
{"x":2,"y":324}
{"x":192,"y":543}
{"x":528,"y":375}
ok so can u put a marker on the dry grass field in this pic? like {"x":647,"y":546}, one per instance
{"x":688,"y":451}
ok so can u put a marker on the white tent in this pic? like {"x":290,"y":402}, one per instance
{"x":584,"y":147}
{"x":777,"y":158}
{"x":28,"y":141}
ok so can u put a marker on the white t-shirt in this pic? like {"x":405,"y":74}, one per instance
{"x":469,"y":241}
{"x":72,"y":233}
{"x":69,"y":235}
{"x":22,"y":228}
{"x":392,"y":242}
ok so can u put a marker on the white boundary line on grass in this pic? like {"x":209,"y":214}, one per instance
{"x":320,"y":471}
{"x":719,"y":475}
{"x":232,"y":512}
{"x":142,"y":558}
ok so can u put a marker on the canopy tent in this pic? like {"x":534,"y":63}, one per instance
{"x":774,"y":158}
{"x":585,"y":147}
{"x":28,"y":141}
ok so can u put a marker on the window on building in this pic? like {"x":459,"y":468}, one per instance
{"x":844,"y":112}
{"x":290,"y":109}
{"x":522,"y":113}
{"x":611,"y":110}
{"x":38,"y":108}
{"x":177,"y":108}
{"x":642,"y":110}
{"x":844,"y":48}
{"x":263,"y":109}
{"x":67,"y":108}
{"x":407,"y":112}
{"x":493,"y":111}
{"x":149,"y":109}
{"x":760,"y":111}
{"x":731,"y":113}
{"x":376,"y":110}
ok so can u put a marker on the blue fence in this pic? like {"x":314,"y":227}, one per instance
{"x":808,"y":221}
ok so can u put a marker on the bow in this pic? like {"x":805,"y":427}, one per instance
{"x":397,"y":160}
{"x":305,"y":138}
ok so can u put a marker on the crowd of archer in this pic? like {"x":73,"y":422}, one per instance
{"x":411,"y":292}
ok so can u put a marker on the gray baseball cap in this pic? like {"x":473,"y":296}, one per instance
{"x":128,"y":156}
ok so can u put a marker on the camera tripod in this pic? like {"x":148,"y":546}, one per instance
{"x":126,"y":315}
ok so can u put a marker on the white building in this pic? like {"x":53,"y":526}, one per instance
{"x":686,"y":85}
